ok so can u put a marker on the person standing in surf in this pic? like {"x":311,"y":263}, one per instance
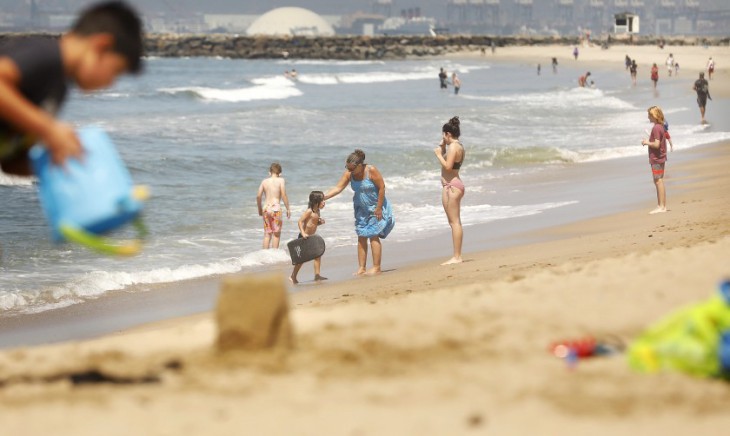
{"x":274,"y":189}
{"x":373,"y":215}
{"x":450,"y":154}
{"x":657,"y":144}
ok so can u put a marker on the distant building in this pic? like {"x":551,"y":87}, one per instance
{"x":626,"y":23}
{"x":290,"y":21}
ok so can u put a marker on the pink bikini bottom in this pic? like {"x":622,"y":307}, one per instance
{"x":455,"y":183}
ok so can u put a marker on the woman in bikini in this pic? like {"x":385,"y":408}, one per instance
{"x":373,"y":215}
{"x":450,"y":154}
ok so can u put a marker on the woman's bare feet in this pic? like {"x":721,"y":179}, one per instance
{"x":453,"y":261}
{"x":374,"y":271}
{"x":293,"y":280}
{"x":319,"y":278}
{"x":359,"y":272}
{"x":658,"y":209}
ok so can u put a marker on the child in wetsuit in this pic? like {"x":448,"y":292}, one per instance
{"x":308,"y":224}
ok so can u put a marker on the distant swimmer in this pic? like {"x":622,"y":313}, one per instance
{"x":456,"y":82}
{"x":583,"y":80}
{"x":633,"y":69}
{"x":294,"y":75}
{"x":442,"y":78}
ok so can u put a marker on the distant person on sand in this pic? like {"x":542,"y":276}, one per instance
{"x":456,"y":82}
{"x":670,"y":64}
{"x":710,"y":68}
{"x":105,"y":41}
{"x":308,"y":223}
{"x":583,"y":80}
{"x":654,"y":74}
{"x":633,"y":69}
{"x":450,"y":154}
{"x":274,"y":189}
{"x":575,"y":52}
{"x":442,"y":78}
{"x":657,"y":156}
{"x":702,"y":88}
{"x":373,"y":215}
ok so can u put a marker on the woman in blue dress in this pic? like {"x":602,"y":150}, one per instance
{"x":373,"y":214}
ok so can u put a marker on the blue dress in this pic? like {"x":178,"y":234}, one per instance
{"x":365,"y":201}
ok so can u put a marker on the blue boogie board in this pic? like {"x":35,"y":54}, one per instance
{"x":303,"y":250}
{"x":86,"y":198}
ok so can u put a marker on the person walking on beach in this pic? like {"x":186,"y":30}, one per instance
{"x":575,"y":52}
{"x":274,"y":189}
{"x":442,"y":78}
{"x":456,"y":82}
{"x":657,"y":156}
{"x":105,"y":42}
{"x":702,"y":88}
{"x":670,"y":64}
{"x":373,"y":215}
{"x":308,"y":223}
{"x":654,"y":74}
{"x":710,"y":68}
{"x":633,"y":69}
{"x":450,"y":154}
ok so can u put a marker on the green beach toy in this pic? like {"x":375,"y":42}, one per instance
{"x":688,"y":341}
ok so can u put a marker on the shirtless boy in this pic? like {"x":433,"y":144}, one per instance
{"x":274,"y":189}
{"x":308,"y":223}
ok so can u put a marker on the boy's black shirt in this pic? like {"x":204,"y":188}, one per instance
{"x":42,"y":81}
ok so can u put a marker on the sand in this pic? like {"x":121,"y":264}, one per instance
{"x":424,"y":349}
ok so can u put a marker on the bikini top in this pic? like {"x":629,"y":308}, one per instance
{"x":457,"y":165}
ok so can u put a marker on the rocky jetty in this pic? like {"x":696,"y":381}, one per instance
{"x":361,"y":47}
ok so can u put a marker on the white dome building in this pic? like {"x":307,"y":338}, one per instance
{"x":290,"y":21}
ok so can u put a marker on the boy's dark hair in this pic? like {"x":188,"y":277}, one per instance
{"x":275,"y":168}
{"x":122,"y":22}
{"x":315,"y":198}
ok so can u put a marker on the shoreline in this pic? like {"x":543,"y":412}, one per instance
{"x":423,"y":349}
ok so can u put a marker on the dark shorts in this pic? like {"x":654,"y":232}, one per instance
{"x":701,"y":100}
{"x":657,"y":171}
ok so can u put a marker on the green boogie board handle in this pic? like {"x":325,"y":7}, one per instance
{"x":102,"y":244}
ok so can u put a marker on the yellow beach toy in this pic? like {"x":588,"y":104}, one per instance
{"x":693,"y":340}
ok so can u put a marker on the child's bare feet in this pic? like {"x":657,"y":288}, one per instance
{"x":453,"y":260}
{"x":374,"y":271}
{"x":293,"y":280}
{"x":658,"y":209}
{"x":319,"y":278}
{"x":359,"y":272}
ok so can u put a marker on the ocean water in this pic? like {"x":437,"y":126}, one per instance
{"x":201,"y":133}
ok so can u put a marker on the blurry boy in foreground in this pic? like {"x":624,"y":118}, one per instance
{"x":105,"y":42}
